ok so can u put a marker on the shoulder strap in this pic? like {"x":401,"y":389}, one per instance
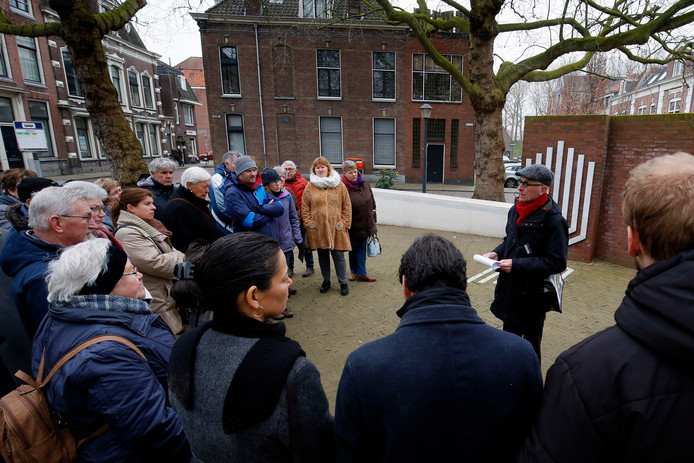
{"x":77,"y":349}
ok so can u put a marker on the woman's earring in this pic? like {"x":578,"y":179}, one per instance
{"x":260,"y":309}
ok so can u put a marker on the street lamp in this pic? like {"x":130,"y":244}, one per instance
{"x":425,"y":109}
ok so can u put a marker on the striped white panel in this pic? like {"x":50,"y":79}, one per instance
{"x":567,"y":183}
{"x":577,"y":193}
{"x":586,"y":205}
{"x":557,"y":170}
{"x":538,"y":159}
{"x":548,"y":160}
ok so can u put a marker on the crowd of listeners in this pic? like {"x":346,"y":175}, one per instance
{"x":90,"y":258}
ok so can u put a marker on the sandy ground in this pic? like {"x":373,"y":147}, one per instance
{"x":330,"y":326}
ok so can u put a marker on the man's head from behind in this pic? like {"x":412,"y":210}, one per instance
{"x":432,"y":262}
{"x":658,"y":207}
{"x":60,"y":216}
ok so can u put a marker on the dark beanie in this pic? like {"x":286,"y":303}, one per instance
{"x":111,"y":275}
{"x":269,"y":175}
{"x":30,"y":185}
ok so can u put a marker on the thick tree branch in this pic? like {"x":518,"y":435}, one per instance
{"x":115,"y":20}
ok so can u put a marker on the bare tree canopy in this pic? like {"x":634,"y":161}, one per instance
{"x":576,"y":29}
{"x":82,"y":28}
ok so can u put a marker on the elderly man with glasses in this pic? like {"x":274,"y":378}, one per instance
{"x":536,"y":246}
{"x":58,"y":217}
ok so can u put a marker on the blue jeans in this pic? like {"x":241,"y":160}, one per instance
{"x":289,"y":255}
{"x":357,"y":256}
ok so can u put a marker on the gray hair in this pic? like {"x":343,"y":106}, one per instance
{"x":280,"y":170}
{"x":87,"y":190}
{"x":348,"y":165}
{"x":194,"y":175}
{"x":50,"y":201}
{"x":291,"y":163}
{"x":229,"y":155}
{"x":161,"y":163}
{"x":78,"y":265}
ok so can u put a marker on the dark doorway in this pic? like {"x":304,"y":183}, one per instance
{"x":435,"y":164}
{"x":14,"y":156}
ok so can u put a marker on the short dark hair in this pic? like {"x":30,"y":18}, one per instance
{"x":226,"y":268}
{"x":432,"y":262}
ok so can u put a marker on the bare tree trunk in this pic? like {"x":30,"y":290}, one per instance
{"x":83,"y":38}
{"x":488,"y":158}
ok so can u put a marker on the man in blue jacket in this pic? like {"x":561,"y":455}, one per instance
{"x":246,"y":202}
{"x":221,"y":179}
{"x":444,"y":386}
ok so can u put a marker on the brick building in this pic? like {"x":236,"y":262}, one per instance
{"x":195,"y":75}
{"x":285,"y":80}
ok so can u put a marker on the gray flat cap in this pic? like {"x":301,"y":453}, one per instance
{"x":244,"y":163}
{"x":537,"y":172}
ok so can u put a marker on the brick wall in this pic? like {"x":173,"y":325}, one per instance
{"x":615,"y":145}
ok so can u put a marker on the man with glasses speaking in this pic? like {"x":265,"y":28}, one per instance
{"x":536,"y":246}
{"x":58,"y":217}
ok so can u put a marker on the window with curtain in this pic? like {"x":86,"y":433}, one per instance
{"x":22,"y":5}
{"x":228,"y":60}
{"x":134,"y":88}
{"x":235,"y":133}
{"x":384,"y":142}
{"x":115,"y":78}
{"x":188,"y":114}
{"x":38,"y":111}
{"x":147,"y":92}
{"x":140,"y":132}
{"x":331,"y":139}
{"x":328,"y":63}
{"x":3,"y":58}
{"x":28,"y":58}
{"x":153,"y":140}
{"x":83,"y":141}
{"x":315,"y":9}
{"x":73,"y":86}
{"x":384,"y":75}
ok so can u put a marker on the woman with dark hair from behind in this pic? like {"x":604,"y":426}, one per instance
{"x":243,"y":390}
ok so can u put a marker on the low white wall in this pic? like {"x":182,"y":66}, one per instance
{"x":436,"y":212}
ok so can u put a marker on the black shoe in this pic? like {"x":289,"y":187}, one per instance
{"x":325,"y":286}
{"x":279,"y":317}
{"x":287,"y":313}
{"x":292,"y":291}
{"x":344,"y":289}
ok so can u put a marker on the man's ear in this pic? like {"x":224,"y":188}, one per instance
{"x":54,"y":222}
{"x":633,"y":242}
{"x":406,"y":293}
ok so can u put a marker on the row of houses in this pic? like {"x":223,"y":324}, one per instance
{"x":38,"y":83}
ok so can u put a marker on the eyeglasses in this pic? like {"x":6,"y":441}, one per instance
{"x":526,"y":184}
{"x":96,"y":210}
{"x":134,"y":272}
{"x":87,"y":218}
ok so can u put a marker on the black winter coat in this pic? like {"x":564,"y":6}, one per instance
{"x":363,"y":211}
{"x":539,"y":248}
{"x":188,"y":218}
{"x":626,"y":394}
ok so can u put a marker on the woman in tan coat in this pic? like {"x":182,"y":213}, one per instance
{"x":327,"y":215}
{"x":148,"y":244}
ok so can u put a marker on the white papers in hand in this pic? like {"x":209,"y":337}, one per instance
{"x":486,"y":261}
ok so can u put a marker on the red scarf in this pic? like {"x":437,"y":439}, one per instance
{"x":525,"y":209}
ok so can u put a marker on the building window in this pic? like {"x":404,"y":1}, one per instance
{"x":134,"y":88}
{"x":384,"y":75}
{"x":83,"y":140}
{"x":642,"y":110}
{"x":3,"y":58}
{"x":153,"y":140}
{"x":230,"y":71}
{"x":674,"y":106}
{"x":115,"y":79}
{"x":188,"y":114}
{"x":454,"y":142}
{"x":416,"y":140}
{"x":140,"y":132}
{"x":21,"y":5}
{"x":73,"y":85}
{"x":147,"y":92}
{"x":28,"y":58}
{"x":678,"y":68}
{"x":431,"y":82}
{"x":652,"y":108}
{"x":328,"y":63}
{"x":235,"y":133}
{"x":38,"y":112}
{"x":436,"y":130}
{"x":315,"y":9}
{"x":384,"y":142}
{"x":331,"y":139}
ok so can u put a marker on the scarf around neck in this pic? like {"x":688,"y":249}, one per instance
{"x":350,"y":184}
{"x":525,"y":209}
{"x":331,"y":181}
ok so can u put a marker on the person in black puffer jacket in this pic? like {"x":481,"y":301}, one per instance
{"x":626,"y":394}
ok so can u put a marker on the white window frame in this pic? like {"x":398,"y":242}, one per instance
{"x":326,"y":13}
{"x":5,"y":59}
{"x":156,"y":140}
{"x":652,"y":108}
{"x":674,"y":106}
{"x":119,"y":89}
{"x":641,"y":109}
{"x":64,"y":50}
{"x":342,"y":135}
{"x":49,"y":126}
{"x":139,"y":88}
{"x":677,"y":68}
{"x":395,"y":151}
{"x":145,"y":137}
{"x":151,"y":90}
{"x":393,"y":71}
{"x":240,"y":149}
{"x":90,"y":138}
{"x":221,"y":73}
{"x":28,"y":14}
{"x":42,"y":80}
{"x":188,"y":111}
{"x":328,"y":69}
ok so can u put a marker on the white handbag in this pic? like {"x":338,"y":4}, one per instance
{"x":373,"y":246}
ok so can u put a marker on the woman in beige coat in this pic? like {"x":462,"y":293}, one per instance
{"x":327,"y":215}
{"x":148,"y":244}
